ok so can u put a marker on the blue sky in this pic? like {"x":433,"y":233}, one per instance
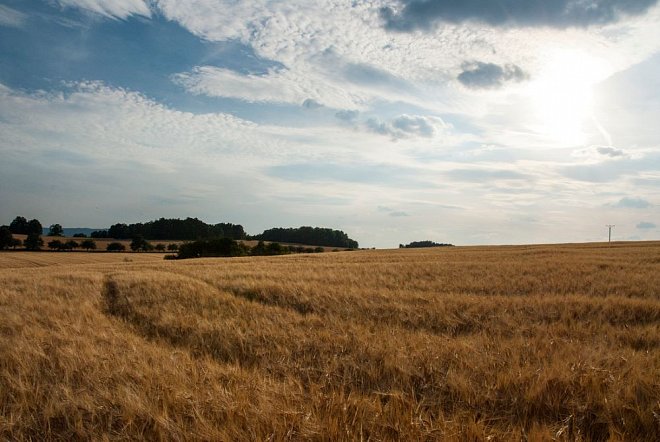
{"x":484,"y":122}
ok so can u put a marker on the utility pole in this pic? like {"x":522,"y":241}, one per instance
{"x":609,"y":232}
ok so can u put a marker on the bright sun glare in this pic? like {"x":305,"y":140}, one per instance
{"x":562,"y":94}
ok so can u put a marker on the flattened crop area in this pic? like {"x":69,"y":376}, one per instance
{"x":535,"y":342}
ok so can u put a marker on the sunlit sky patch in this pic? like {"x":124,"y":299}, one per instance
{"x":485,"y":122}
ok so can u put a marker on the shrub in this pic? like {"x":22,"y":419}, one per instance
{"x":56,"y":244}
{"x":115,"y":247}
{"x":221,"y":247}
{"x":139,"y":243}
{"x":70,"y":245}
{"x":88,"y":244}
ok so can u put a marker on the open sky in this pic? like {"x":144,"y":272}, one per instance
{"x":470,"y":122}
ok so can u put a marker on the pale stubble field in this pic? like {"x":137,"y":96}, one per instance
{"x":469,"y":343}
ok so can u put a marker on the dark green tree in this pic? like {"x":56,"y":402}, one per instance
{"x":259,"y":249}
{"x":139,"y":243}
{"x":160,"y":247}
{"x":5,"y":237}
{"x":172,"y":247}
{"x":33,"y":242}
{"x":71,"y":244}
{"x":274,"y":248}
{"x":34,"y":227}
{"x":55,"y":230}
{"x":15,"y":242}
{"x":212,"y":247}
{"x":79,"y":235}
{"x":56,"y":244}
{"x":115,"y":247}
{"x":19,"y":226}
{"x":88,"y":244}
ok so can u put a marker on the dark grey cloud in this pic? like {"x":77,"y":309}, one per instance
{"x":375,"y":125}
{"x":479,"y":75}
{"x":405,"y":125}
{"x":411,"y":15}
{"x":392,"y":212}
{"x":610,"y":151}
{"x":310,"y":103}
{"x":347,"y":115}
{"x":646,"y":225}
{"x":632,"y":203}
{"x":420,"y":126}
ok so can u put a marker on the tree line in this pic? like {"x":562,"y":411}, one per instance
{"x":172,"y":228}
{"x":195,"y":229}
{"x":189,"y":229}
{"x":227,"y":247}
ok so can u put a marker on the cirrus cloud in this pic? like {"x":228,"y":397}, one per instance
{"x":11,"y":17}
{"x":120,"y":9}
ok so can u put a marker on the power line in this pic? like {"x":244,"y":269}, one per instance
{"x":609,"y":232}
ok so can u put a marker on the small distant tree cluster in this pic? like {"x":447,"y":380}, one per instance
{"x":316,"y":236}
{"x":422,"y":244}
{"x":33,"y":229}
{"x":56,"y":244}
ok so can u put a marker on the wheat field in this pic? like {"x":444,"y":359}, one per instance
{"x":556,"y":342}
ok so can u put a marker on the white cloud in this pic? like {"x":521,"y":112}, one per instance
{"x":113,"y":143}
{"x":278,"y":85}
{"x":297,"y":32}
{"x":11,"y":17}
{"x":121,"y":9}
